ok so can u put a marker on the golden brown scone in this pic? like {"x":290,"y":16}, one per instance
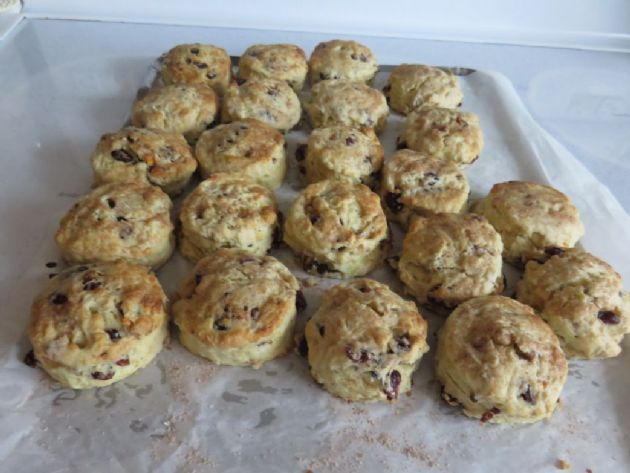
{"x":285,"y":62}
{"x":94,"y":325}
{"x":197,"y":64}
{"x":228,"y":211}
{"x":415,"y":184}
{"x":339,"y":59}
{"x":582,"y":298}
{"x":365,"y":342}
{"x":337,"y":229}
{"x":237,"y":308}
{"x":450,"y":258}
{"x":120,"y":220}
{"x":443,"y":133}
{"x":143,"y":155}
{"x":534,"y":220}
{"x":249,"y":147}
{"x":500,"y":362}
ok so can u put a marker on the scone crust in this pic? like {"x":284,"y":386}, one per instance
{"x":365,"y":342}
{"x":285,"y":62}
{"x":248,"y":147}
{"x":94,"y":325}
{"x":341,"y":59}
{"x":582,"y":298}
{"x":237,"y":308}
{"x":120,"y":220}
{"x":534,"y":220}
{"x":500,"y":362}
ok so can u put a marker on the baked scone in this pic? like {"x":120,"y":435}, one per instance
{"x":237,"y":308}
{"x":582,"y":299}
{"x":534,"y":220}
{"x":143,"y":155}
{"x":197,"y":64}
{"x":94,"y":325}
{"x":271,"y":101}
{"x":285,"y":62}
{"x":415,"y":184}
{"x":249,"y":147}
{"x":227,"y":211}
{"x":337,"y":229}
{"x":339,"y":59}
{"x":186,"y":109}
{"x":500,"y":362}
{"x":365,"y":342}
{"x":443,"y":133}
{"x":345,"y":102}
{"x":121,"y":220}
{"x":450,"y":258}
{"x":342,"y":152}
{"x":411,"y":86}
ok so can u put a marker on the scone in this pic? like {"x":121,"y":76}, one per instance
{"x":500,"y":362}
{"x":197,"y":64}
{"x":228,"y":211}
{"x":143,"y":155}
{"x":450,"y":258}
{"x":337,"y":229}
{"x":186,"y":109}
{"x":411,"y":86}
{"x":122,"y":220}
{"x":237,"y":308}
{"x":94,"y":325}
{"x":339,"y":59}
{"x":271,"y":101}
{"x":344,"y":102}
{"x":248,"y":147}
{"x":365,"y":342}
{"x":415,"y":184}
{"x":285,"y":62}
{"x":341,"y":152}
{"x":535,"y":221}
{"x":443,"y":133}
{"x":582,"y":299}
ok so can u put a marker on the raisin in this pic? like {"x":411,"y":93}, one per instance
{"x":200,"y":65}
{"x":114,"y":334}
{"x":91,"y":285}
{"x":350,"y":140}
{"x":300,"y":301}
{"x":362,"y":356}
{"x":354,"y":56}
{"x":486,"y":416}
{"x":394,"y":383}
{"x":123,"y":156}
{"x":221,"y":324}
{"x":323,"y":268}
{"x":300,"y":152}
{"x":254,"y":313}
{"x":59,"y":299}
{"x":608,"y":317}
{"x":314,"y":219}
{"x":194,"y":51}
{"x":528,"y":396}
{"x":111,"y":202}
{"x":123,"y":362}
{"x":393,"y":202}
{"x":102,"y":376}
{"x":51,"y":264}
{"x":30,"y":360}
{"x":553,"y":251}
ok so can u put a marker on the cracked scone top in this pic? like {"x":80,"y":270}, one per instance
{"x":94,"y":325}
{"x":340,"y":59}
{"x":365,"y":342}
{"x":534,"y":220}
{"x":500,"y":362}
{"x":285,"y":62}
{"x":120,"y":220}
{"x":582,"y":298}
{"x":143,"y":155}
{"x":337,"y":229}
{"x":228,"y":211}
{"x":237,"y":308}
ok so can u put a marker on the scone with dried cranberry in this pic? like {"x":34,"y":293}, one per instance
{"x":285,"y":62}
{"x":342,"y":59}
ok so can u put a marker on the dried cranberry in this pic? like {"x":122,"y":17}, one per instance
{"x":123,"y":156}
{"x":450,"y":400}
{"x":114,"y":334}
{"x":393,"y":202}
{"x":394,"y":383}
{"x":350,"y":140}
{"x":486,"y":416}
{"x":300,"y":301}
{"x":30,"y":360}
{"x":608,"y":317}
{"x":123,"y":362}
{"x":528,"y":396}
{"x":102,"y":376}
{"x":300,"y":152}
{"x":59,"y":299}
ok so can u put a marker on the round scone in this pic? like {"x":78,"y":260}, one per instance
{"x":197,"y":64}
{"x":143,"y":155}
{"x":443,"y":133}
{"x":186,"y":109}
{"x":121,"y":220}
{"x":411,"y":86}
{"x":341,"y":152}
{"x":339,"y":59}
{"x":535,"y":221}
{"x":582,"y":299}
{"x":500,"y":362}
{"x":237,"y":308}
{"x":337,"y":229}
{"x":365,"y":342}
{"x":285,"y":62}
{"x":271,"y":101}
{"x":344,"y":102}
{"x":248,"y":147}
{"x":415,"y":184}
{"x":94,"y":325}
{"x":450,"y":258}
{"x":228,"y":211}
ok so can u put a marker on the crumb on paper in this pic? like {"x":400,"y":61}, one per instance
{"x":562,"y":464}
